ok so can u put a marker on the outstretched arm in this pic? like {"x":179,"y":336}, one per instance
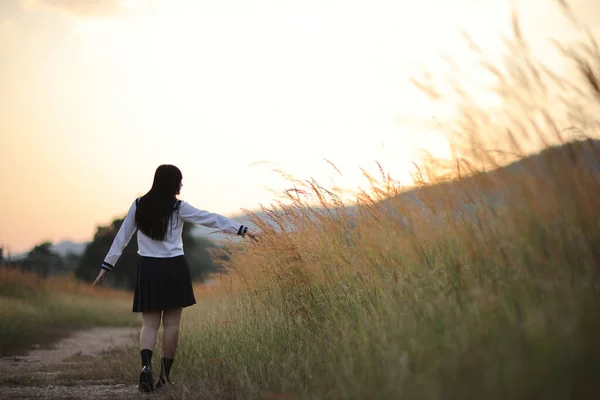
{"x":123,"y":237}
{"x":191,"y":214}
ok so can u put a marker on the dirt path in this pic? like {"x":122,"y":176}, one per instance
{"x":76,"y":367}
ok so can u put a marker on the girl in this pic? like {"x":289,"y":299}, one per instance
{"x":164,"y":286}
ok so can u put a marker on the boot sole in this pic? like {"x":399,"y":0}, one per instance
{"x":146,"y":384}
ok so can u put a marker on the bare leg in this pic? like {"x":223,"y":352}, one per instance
{"x":150,"y":325}
{"x":171,"y":318}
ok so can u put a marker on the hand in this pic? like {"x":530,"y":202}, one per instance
{"x":254,"y":235}
{"x":101,"y":277}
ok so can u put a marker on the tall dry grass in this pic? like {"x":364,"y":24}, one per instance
{"x":486,"y":287}
{"x":35,"y":310}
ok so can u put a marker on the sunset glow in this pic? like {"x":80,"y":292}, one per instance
{"x":95,"y":95}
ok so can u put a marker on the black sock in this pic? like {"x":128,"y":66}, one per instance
{"x":165,"y":367}
{"x":146,"y":358}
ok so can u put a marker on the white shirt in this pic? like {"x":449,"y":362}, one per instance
{"x":173,"y":245}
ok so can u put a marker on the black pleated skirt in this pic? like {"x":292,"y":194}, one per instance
{"x":163,"y":283}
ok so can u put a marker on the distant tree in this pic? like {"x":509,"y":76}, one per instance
{"x":203,"y":256}
{"x":124,"y":273}
{"x":41,"y":260}
{"x":71,"y":262}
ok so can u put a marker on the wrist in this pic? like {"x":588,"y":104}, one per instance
{"x":106,"y":266}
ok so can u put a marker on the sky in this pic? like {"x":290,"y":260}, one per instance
{"x":95,"y":94}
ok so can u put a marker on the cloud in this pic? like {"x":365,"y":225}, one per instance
{"x":88,"y":8}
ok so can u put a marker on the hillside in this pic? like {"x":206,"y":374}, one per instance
{"x":488,"y":187}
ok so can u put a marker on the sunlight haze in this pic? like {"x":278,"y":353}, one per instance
{"x":95,"y":95}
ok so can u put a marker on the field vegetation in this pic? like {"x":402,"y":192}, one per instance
{"x":481,"y":284}
{"x":34,"y":310}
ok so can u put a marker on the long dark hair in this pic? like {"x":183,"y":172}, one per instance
{"x":154,"y":209}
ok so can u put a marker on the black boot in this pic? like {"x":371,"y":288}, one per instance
{"x":165,"y":371}
{"x":146,"y":380}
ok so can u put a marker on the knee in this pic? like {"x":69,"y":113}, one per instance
{"x":152,"y":326}
{"x":171,"y":325}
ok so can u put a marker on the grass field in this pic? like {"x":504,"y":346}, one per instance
{"x":461,"y":298}
{"x":35,"y":311}
{"x":453,"y":297}
{"x":472,"y":308}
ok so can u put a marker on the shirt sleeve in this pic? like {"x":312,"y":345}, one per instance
{"x":191,"y":214}
{"x":126,"y":231}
